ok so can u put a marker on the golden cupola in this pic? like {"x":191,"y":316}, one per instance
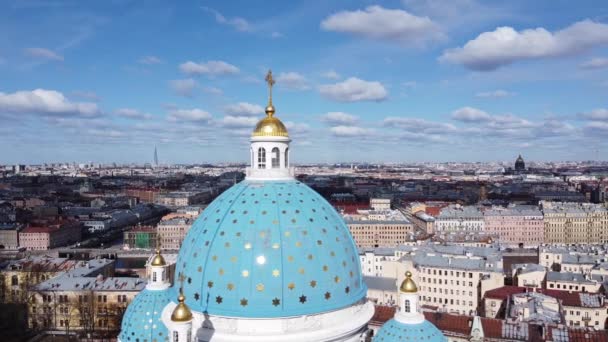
{"x":182,"y":312}
{"x":408,"y":285}
{"x":158,"y":259}
{"x":270,"y":126}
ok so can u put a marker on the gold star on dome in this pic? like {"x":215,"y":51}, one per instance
{"x":218,"y":299}
{"x":291,"y":286}
{"x":276,"y":302}
{"x":244,"y":302}
{"x":302,"y":299}
{"x":275,"y":273}
{"x":313,"y":283}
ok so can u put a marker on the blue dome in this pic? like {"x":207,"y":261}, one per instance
{"x":396,"y":331}
{"x":268,"y":249}
{"x":141,"y":322}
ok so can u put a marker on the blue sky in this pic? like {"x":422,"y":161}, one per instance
{"x":394,"y":81}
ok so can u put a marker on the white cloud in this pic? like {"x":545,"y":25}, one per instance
{"x":470,"y":114}
{"x":211,"y":68}
{"x":595,"y":63}
{"x":238,"y":23}
{"x":42,"y":101}
{"x":193,"y":115}
{"x":43,"y":54}
{"x":597,"y":127}
{"x":149,"y":60}
{"x":86,"y":95}
{"x":238,"y":121}
{"x":494,"y":94}
{"x":184,"y":87}
{"x":600,"y":114}
{"x":296,"y":128}
{"x":331,"y":75}
{"x":213,"y":91}
{"x":243,"y":109}
{"x":292,"y":80}
{"x":339,"y":118}
{"x":131,"y":113}
{"x":416,"y":125}
{"x":354,"y":89}
{"x":505,"y":45}
{"x":350,"y":131}
{"x":377,"y":22}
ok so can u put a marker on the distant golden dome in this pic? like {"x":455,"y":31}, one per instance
{"x":408,"y":284}
{"x":182,"y":312}
{"x":158,"y":259}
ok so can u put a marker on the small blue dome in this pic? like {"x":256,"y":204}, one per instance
{"x":141,"y":322}
{"x":397,"y":331}
{"x":268,"y":249}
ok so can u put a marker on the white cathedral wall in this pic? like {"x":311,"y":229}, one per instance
{"x":345,"y":325}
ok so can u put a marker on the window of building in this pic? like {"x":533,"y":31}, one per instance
{"x":406,"y":306}
{"x":175,"y":336}
{"x":14,"y":280}
{"x":275,"y":161}
{"x":261,"y":158}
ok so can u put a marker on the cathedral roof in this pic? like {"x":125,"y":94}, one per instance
{"x":396,"y":331}
{"x":141,"y":321}
{"x":267,"y":249}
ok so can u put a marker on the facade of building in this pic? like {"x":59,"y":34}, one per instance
{"x":573,"y":223}
{"x":373,"y":228}
{"x":9,"y":235}
{"x":172,"y":232}
{"x":86,"y":298}
{"x":141,"y":237}
{"x":17,"y":276}
{"x":515,"y":225}
{"x":456,"y":218}
{"x":50,"y":235}
{"x":183,"y":198}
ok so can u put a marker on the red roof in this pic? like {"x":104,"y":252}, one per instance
{"x":382,"y":314}
{"x":587,"y":335}
{"x":504,"y":292}
{"x":47,"y":229}
{"x":458,"y":324}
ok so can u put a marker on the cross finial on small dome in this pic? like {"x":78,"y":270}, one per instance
{"x":270,"y":81}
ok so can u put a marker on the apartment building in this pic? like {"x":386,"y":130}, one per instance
{"x":372,"y":228}
{"x":47,"y":235}
{"x":572,"y":223}
{"x":456,"y":218}
{"x":515,"y":225}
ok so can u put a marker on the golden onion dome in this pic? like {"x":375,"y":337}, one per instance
{"x":408,"y":284}
{"x":158,"y":259}
{"x":182,"y":312}
{"x":270,"y":126}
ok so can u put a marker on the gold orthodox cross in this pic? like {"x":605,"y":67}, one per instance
{"x":270,"y":80}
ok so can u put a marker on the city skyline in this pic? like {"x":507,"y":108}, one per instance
{"x":409,"y":81}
